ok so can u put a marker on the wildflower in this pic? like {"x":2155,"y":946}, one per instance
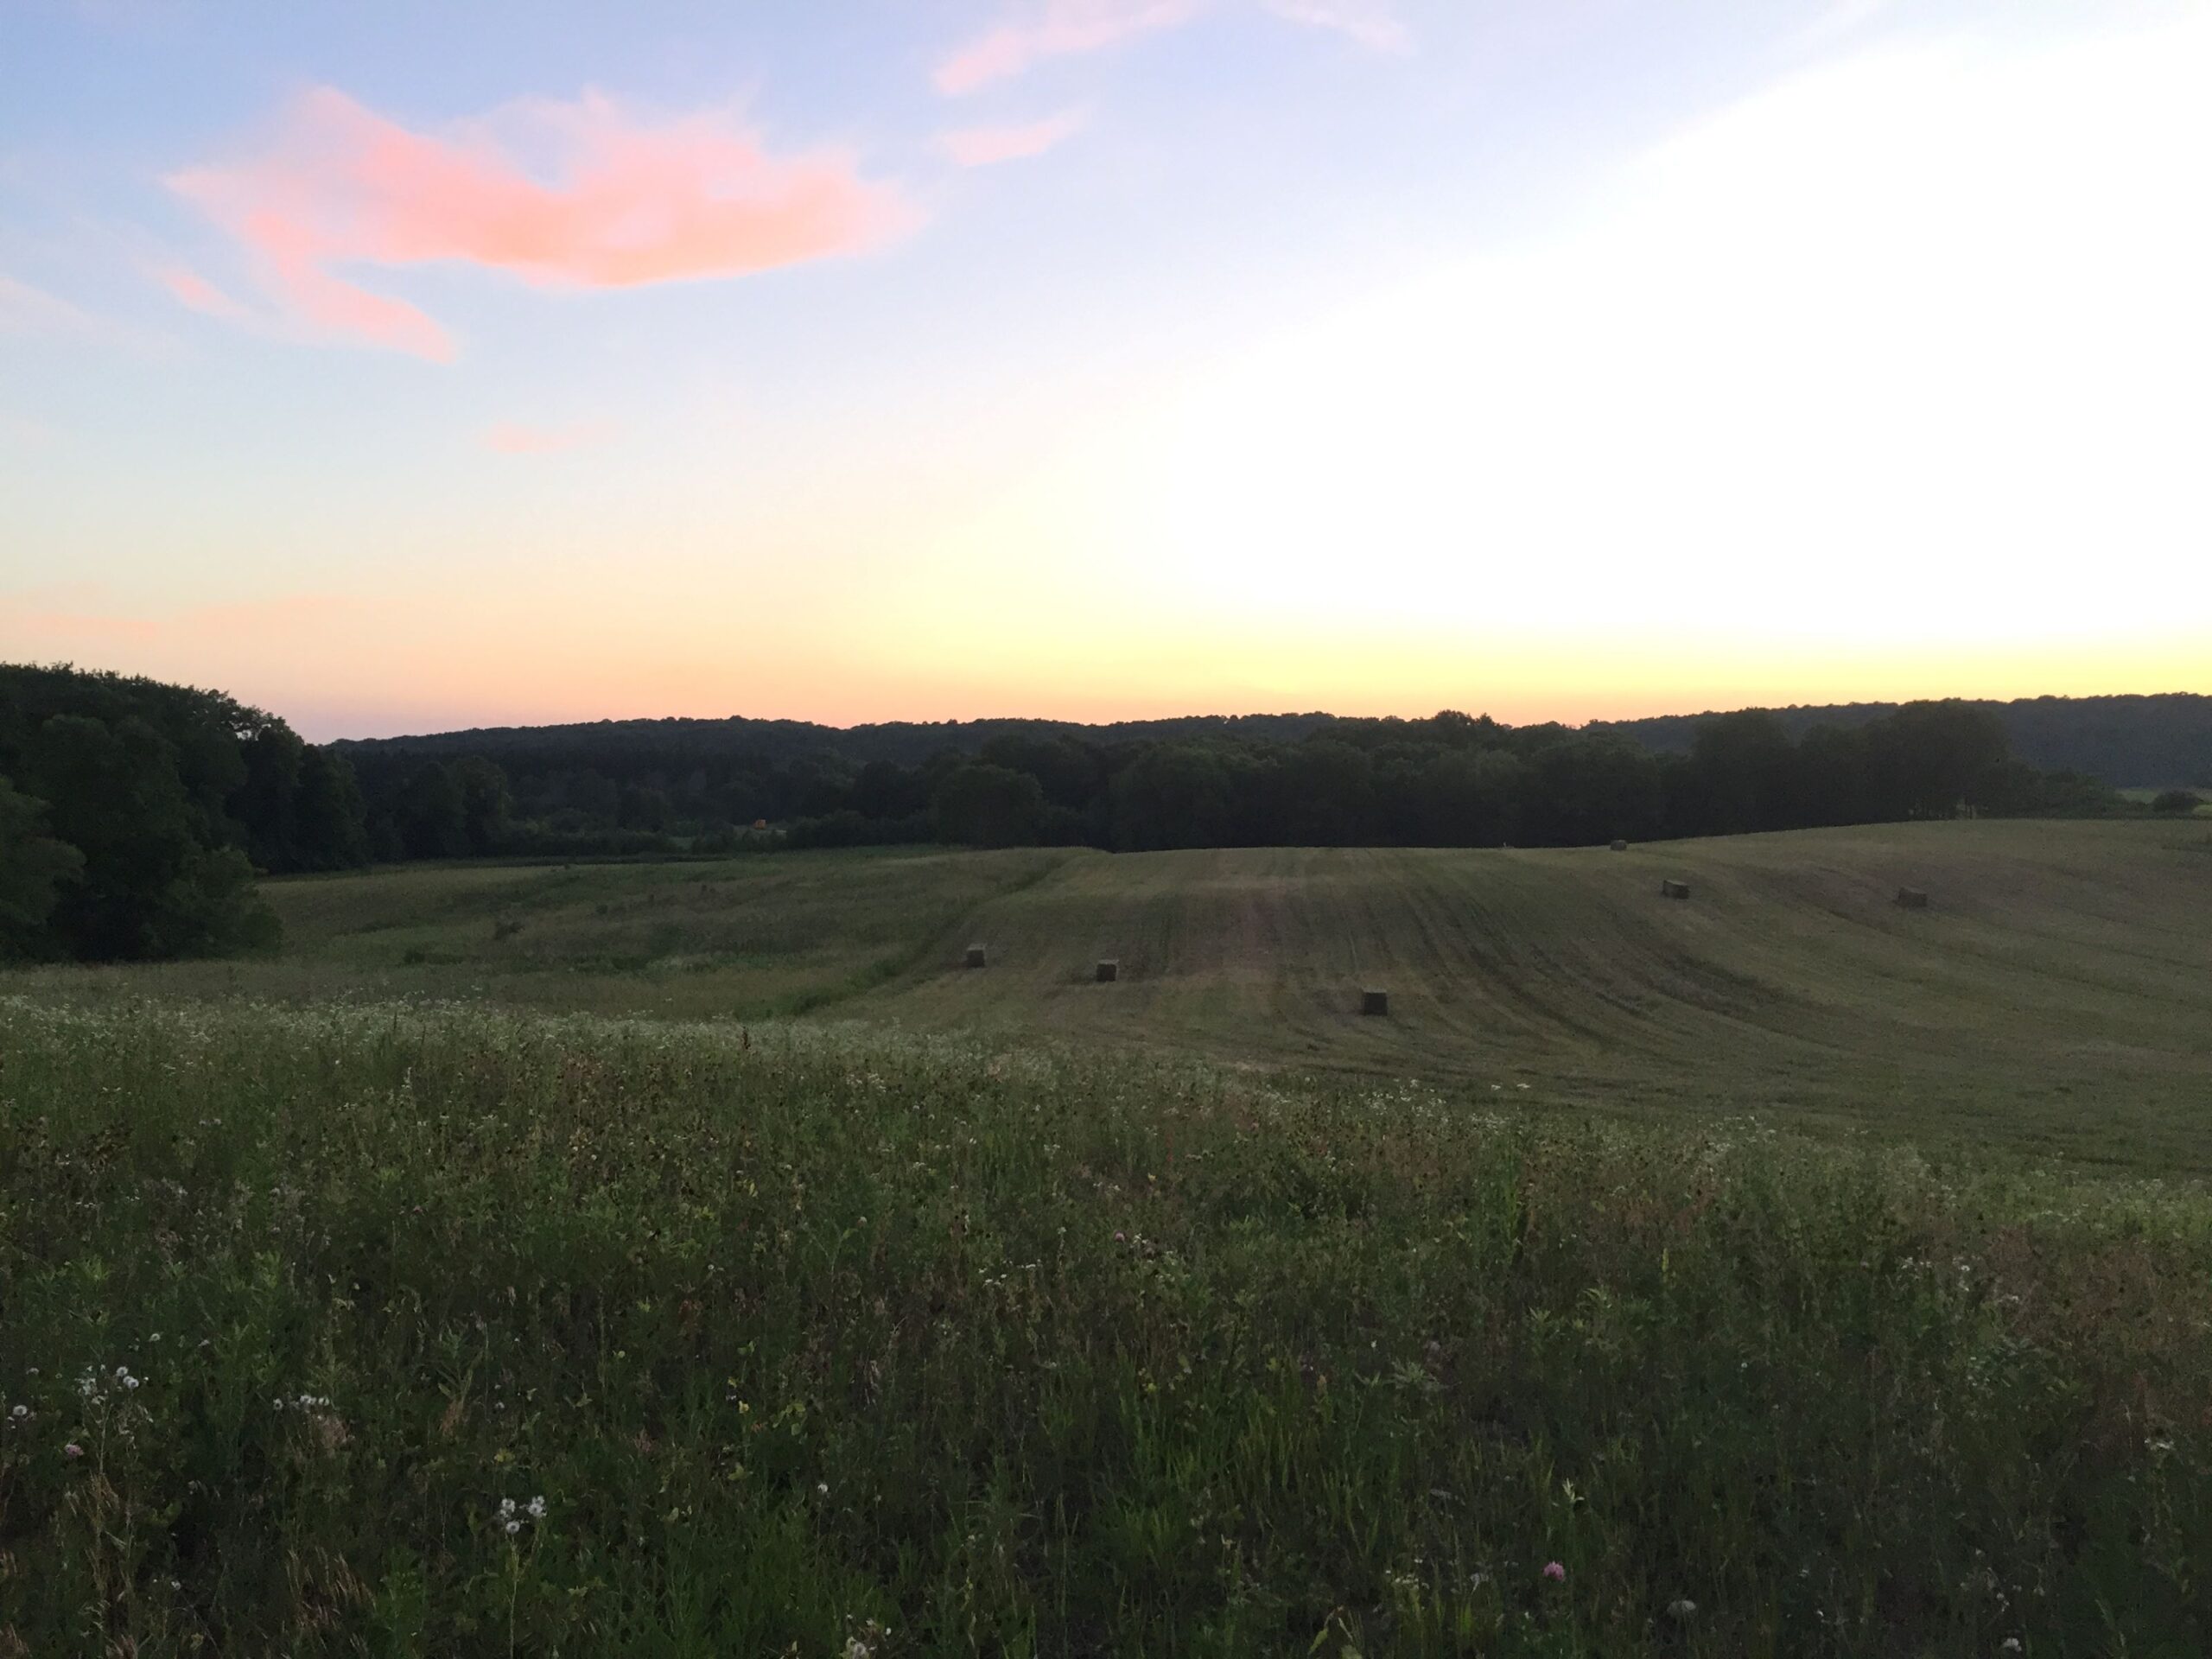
{"x":513,"y":1527}
{"x":72,"y":1450}
{"x":1554,"y":1572}
{"x":1682,"y":1607}
{"x":2010,"y":1644}
{"x":823,"y":1487}
{"x":537,"y":1509}
{"x":20,"y":1412}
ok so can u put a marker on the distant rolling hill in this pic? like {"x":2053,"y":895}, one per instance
{"x":2137,"y":741}
{"x":2129,"y":742}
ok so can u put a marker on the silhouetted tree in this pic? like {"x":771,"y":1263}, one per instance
{"x":1924,"y":758}
{"x":1173,"y":794}
{"x":34,"y":868}
{"x":432,"y":818}
{"x":988,"y":806}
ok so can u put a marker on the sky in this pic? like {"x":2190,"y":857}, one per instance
{"x":413,"y":366}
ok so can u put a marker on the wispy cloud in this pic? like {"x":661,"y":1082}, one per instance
{"x":1058,"y":28}
{"x":1374,"y":23}
{"x":28,"y":310}
{"x":190,"y":288}
{"x":521,"y":438}
{"x":986,"y":146}
{"x":629,"y":201}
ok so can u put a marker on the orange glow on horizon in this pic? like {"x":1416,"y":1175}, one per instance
{"x":342,"y":667}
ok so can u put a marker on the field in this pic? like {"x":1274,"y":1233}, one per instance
{"x":2053,"y":999}
{"x":1778,"y":1272}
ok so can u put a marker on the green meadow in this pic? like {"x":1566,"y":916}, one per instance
{"x":696,"y":1259}
{"x":2052,"y":999}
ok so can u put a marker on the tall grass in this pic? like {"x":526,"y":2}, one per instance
{"x":820,"y":1341}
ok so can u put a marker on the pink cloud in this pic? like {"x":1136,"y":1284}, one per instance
{"x":1056,"y":29}
{"x":1062,"y":29}
{"x":518,"y":438}
{"x":611,"y":202}
{"x":985,"y":146}
{"x":189,"y":287}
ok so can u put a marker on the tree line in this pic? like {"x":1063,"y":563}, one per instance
{"x":1452,"y":780}
{"x":134,"y":815}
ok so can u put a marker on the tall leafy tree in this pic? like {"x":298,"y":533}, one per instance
{"x":34,"y":869}
{"x":990,"y":806}
{"x":157,"y":881}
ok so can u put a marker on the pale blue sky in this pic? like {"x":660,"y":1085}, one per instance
{"x":994,"y":453}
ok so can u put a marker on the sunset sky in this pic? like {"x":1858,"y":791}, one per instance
{"x":411,"y":365}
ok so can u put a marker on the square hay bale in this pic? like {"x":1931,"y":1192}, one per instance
{"x":975,"y":955}
{"x":1374,"y":1002}
{"x":1672,"y":889}
{"x":1620,"y":846}
{"x":1108,"y":971}
{"x":1912,"y":898}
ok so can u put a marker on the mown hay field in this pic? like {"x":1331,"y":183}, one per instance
{"x":2055,"y":997}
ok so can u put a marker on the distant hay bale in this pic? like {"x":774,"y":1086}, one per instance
{"x":1108,"y":971}
{"x":975,"y":955}
{"x":1620,"y":846}
{"x":1675,"y":889}
{"x":1374,"y":1002}
{"x":1912,"y":898}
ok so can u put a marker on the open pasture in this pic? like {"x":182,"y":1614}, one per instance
{"x":838,"y":1297}
{"x":2056,"y":996}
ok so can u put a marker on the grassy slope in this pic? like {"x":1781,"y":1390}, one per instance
{"x":2055,"y":994}
{"x":813,"y":1333}
{"x":2055,"y":998}
{"x":1012,"y":1344}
